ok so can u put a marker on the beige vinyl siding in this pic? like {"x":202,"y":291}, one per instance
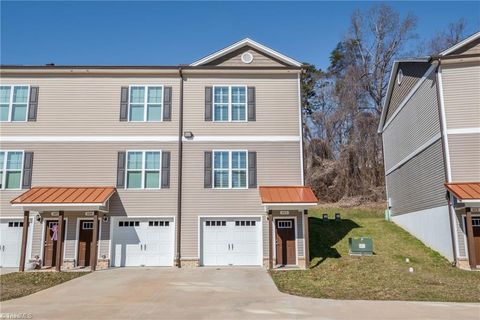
{"x":277,"y":164}
{"x":412,"y":73}
{"x":95,"y":164}
{"x":464,"y":157}
{"x":415,"y":125}
{"x":418,"y":184}
{"x":234,"y":59}
{"x":471,"y":48}
{"x":37,"y":239}
{"x":461,"y":93}
{"x":88,"y":105}
{"x":277,"y":106}
{"x":462,"y":246}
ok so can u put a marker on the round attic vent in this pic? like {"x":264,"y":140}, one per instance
{"x":247,"y":57}
{"x":400,"y":77}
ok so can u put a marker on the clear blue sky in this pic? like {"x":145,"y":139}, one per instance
{"x":165,"y":33}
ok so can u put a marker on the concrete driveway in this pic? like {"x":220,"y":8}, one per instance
{"x":207,"y":293}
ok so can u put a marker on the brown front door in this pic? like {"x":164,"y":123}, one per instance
{"x":285,"y":242}
{"x":85,"y":242}
{"x":476,"y":238}
{"x":50,"y":245}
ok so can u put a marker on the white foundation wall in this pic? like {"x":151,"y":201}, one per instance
{"x":431,"y":226}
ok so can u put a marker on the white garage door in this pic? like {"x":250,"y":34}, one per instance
{"x":10,"y":242}
{"x":142,"y":242}
{"x":231,"y":241}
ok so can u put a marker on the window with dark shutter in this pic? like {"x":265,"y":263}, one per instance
{"x":166,"y":169}
{"x":208,"y":103}
{"x":207,"y":181}
{"x":252,"y":169}
{"x":33,"y":104}
{"x":167,"y":104}
{"x":121,"y":169}
{"x":252,"y":112}
{"x":124,"y":104}
{"x":27,"y":170}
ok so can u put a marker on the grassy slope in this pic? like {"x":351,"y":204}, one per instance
{"x":384,"y":276}
{"x":19,"y":284}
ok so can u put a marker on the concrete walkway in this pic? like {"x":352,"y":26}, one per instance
{"x":207,"y":293}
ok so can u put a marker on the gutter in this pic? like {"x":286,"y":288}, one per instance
{"x":445,"y":160}
{"x":180,"y":169}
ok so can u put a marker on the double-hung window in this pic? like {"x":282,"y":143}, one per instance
{"x":11,"y":171}
{"x":230,"y":169}
{"x":13,"y":103}
{"x":145,"y":104}
{"x":230,"y":103}
{"x":143,"y":169}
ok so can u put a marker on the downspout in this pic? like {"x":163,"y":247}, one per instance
{"x":180,"y":169}
{"x":443,"y":134}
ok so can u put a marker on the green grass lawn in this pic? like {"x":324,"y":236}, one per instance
{"x":383,"y":276}
{"x":19,"y":284}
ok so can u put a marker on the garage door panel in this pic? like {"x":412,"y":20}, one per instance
{"x":149,"y":242}
{"x":10,"y":241}
{"x":236,"y":242}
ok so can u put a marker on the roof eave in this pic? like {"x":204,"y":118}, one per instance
{"x":462,"y":43}
{"x":390,"y":86}
{"x":241,"y":43}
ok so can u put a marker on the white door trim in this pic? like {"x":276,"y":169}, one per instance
{"x":44,"y":231}
{"x":77,"y":236}
{"x":274,"y":233}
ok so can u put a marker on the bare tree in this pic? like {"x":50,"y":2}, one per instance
{"x":344,"y":153}
{"x":377,"y":37}
{"x":447,"y":38}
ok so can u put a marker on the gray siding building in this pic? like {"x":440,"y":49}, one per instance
{"x":430,"y":126}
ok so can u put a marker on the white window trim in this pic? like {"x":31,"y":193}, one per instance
{"x":143,"y":170}
{"x":145,"y":101}
{"x":10,"y":102}
{"x":230,"y":103}
{"x":230,"y":169}
{"x":4,"y":169}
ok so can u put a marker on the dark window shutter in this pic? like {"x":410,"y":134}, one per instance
{"x":167,"y":104}
{"x":27,"y":170}
{"x":207,"y":180}
{"x":124,"y":104}
{"x":121,"y":165}
{"x":165,"y":169}
{"x":252,"y":169}
{"x":208,"y":103}
{"x":252,"y":113}
{"x":33,"y":104}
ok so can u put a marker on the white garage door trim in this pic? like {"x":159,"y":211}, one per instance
{"x":30,"y":236}
{"x":114,"y":222}
{"x":219,"y":217}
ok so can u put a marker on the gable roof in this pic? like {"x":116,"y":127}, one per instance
{"x":466,"y":41}
{"x":243,"y":43}
{"x":391,"y":82}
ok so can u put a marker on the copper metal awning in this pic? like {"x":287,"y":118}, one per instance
{"x":287,"y":196}
{"x":465,"y":191}
{"x":64,"y":198}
